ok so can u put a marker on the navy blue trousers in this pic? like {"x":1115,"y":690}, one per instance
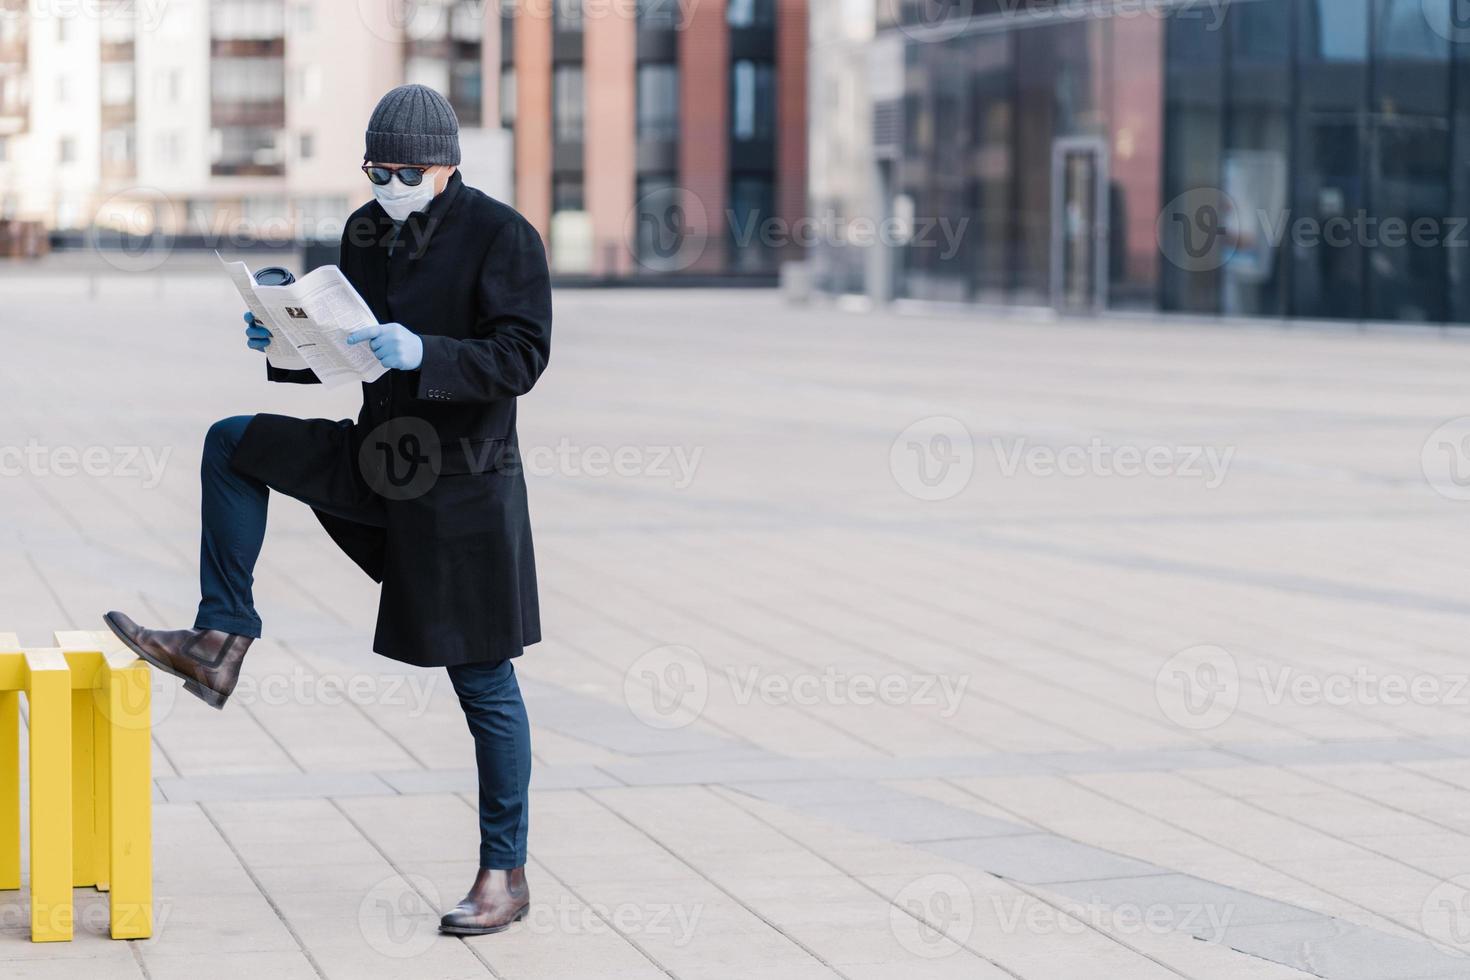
{"x":232,"y":518}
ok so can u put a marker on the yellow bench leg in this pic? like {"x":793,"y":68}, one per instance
{"x":9,"y":789}
{"x":101,"y":792}
{"x":130,"y":808}
{"x":49,"y":691}
{"x":83,"y":792}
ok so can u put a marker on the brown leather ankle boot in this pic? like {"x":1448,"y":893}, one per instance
{"x":207,"y":660}
{"x":496,"y":899}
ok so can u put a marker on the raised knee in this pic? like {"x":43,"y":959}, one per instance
{"x":222,"y":438}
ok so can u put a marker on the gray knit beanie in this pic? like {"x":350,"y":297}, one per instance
{"x":413,"y":124}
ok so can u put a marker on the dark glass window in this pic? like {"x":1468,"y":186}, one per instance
{"x":752,"y":203}
{"x":568,"y":95}
{"x":990,"y":182}
{"x":1058,"y":79}
{"x":752,"y":100}
{"x":662,"y":228}
{"x":751,"y":13}
{"x":1408,"y":162}
{"x":658,"y":101}
{"x":567,"y":15}
{"x":466,"y":89}
{"x":507,"y":31}
{"x":1194,"y":131}
{"x":658,"y":14}
{"x":567,"y":194}
{"x":508,"y":97}
{"x":1256,"y":167}
{"x":1416,"y":30}
{"x":1334,"y":30}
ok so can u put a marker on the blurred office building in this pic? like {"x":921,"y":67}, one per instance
{"x":1260,"y":158}
{"x":635,"y":134}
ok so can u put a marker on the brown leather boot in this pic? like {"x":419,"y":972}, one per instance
{"x":207,"y":660}
{"x":496,"y":899}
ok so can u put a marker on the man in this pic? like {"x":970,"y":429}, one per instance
{"x":424,"y":491}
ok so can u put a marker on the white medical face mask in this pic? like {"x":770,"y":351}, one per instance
{"x":400,"y":200}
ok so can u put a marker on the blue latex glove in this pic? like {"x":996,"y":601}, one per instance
{"x":257,"y":336}
{"x":394,"y":345}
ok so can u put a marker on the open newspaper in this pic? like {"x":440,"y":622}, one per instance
{"x":310,"y":321}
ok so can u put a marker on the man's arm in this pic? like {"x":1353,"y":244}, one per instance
{"x":512,"y":341}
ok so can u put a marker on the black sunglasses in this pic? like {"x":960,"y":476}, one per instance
{"x":411,"y":176}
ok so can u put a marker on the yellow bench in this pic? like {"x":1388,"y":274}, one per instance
{"x":91,"y":784}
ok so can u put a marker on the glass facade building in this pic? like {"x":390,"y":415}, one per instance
{"x":1273,"y":158}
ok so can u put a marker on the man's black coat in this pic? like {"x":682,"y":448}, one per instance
{"x":425,"y":490}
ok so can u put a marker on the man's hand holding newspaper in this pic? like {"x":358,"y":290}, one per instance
{"x":310,"y":321}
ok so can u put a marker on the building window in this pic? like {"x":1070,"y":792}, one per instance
{"x":752,"y":203}
{"x":568,"y":102}
{"x":662,"y":229}
{"x":116,"y":25}
{"x":117,"y":82}
{"x":305,"y":146}
{"x":67,"y":149}
{"x":306,"y":82}
{"x":303,"y":16}
{"x":427,"y":70}
{"x":246,"y":80}
{"x":507,"y":30}
{"x":508,"y":97}
{"x":13,"y":88}
{"x":465,"y":22}
{"x":567,"y":194}
{"x":247,"y":20}
{"x":658,"y":101}
{"x":567,"y":15}
{"x":466,"y":90}
{"x":4,"y":148}
{"x":1415,"y":31}
{"x":752,"y":100}
{"x":320,"y":219}
{"x":266,"y":217}
{"x":658,"y":14}
{"x":239,"y":148}
{"x":750,"y":13}
{"x":117,"y":145}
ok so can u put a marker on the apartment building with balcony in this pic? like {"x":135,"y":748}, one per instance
{"x":650,"y":137}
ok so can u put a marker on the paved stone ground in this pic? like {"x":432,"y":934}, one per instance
{"x":870,"y":658}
